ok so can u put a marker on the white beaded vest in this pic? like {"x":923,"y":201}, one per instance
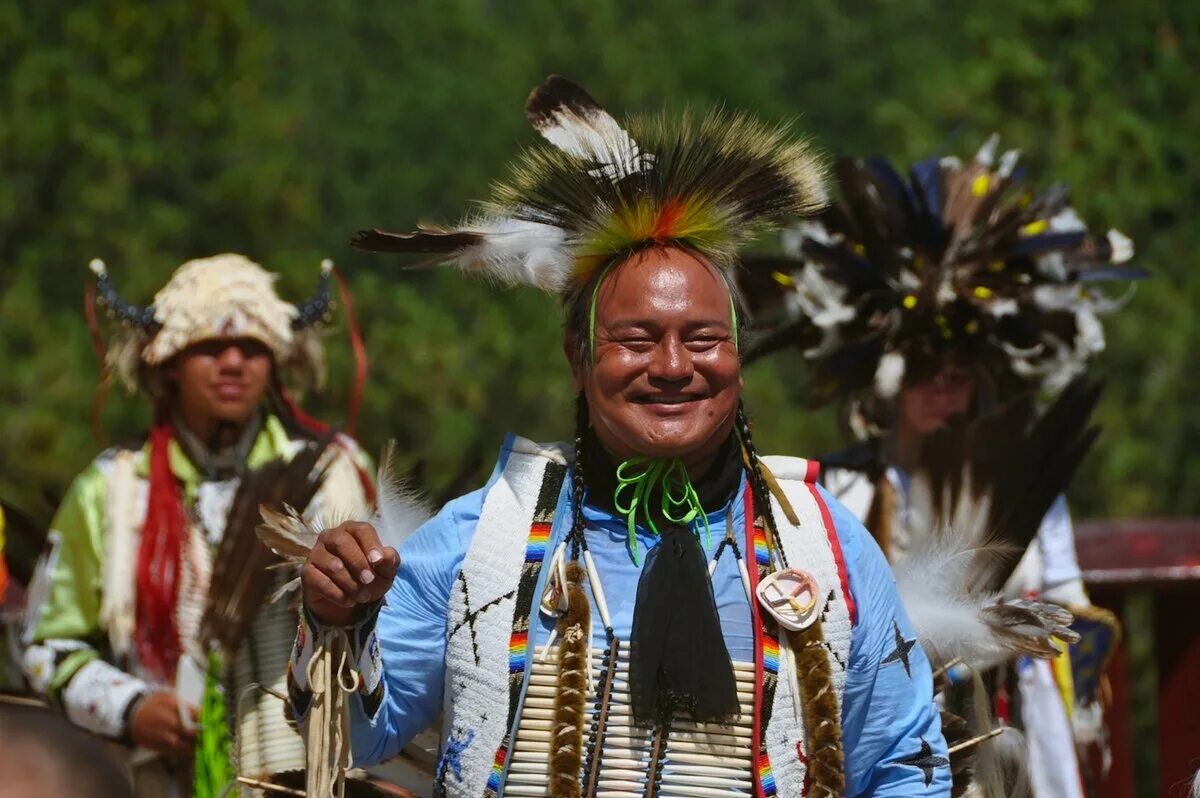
{"x":500,"y":689}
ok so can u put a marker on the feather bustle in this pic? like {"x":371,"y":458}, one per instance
{"x":948,"y":263}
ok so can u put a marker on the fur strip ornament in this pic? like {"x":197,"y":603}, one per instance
{"x":822,"y":713}
{"x":570,"y":702}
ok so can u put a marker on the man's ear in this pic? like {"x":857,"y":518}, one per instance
{"x":574,"y":360}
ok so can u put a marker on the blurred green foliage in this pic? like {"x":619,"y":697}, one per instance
{"x":151,"y":133}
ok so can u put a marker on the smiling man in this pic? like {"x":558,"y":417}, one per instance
{"x":654,"y":610}
{"x":154,"y":583}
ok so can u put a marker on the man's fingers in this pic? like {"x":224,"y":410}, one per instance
{"x":336,"y":569}
{"x":387,"y":574}
{"x":368,"y":540}
{"x":346,"y":547}
{"x":390,"y":563}
{"x":319,"y":586}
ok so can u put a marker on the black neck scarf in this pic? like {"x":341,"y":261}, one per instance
{"x":678,"y":659}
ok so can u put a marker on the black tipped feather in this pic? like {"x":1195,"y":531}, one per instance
{"x":429,"y":240}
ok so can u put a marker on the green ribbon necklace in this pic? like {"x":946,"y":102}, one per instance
{"x":637,"y":479}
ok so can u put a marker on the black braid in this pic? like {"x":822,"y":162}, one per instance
{"x":577,"y":485}
{"x":758,"y":485}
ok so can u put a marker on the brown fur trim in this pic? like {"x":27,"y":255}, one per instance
{"x":882,"y":514}
{"x":822,"y":715}
{"x":570,"y":700}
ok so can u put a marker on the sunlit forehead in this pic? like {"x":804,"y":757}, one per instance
{"x":662,"y":289}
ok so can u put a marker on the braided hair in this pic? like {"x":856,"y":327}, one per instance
{"x":822,"y":721}
{"x":758,"y":484}
{"x":577,"y":480}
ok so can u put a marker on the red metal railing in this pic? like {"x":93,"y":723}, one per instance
{"x":1148,"y":573}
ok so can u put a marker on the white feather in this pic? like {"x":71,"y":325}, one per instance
{"x":1066,"y":220}
{"x":794,"y":237}
{"x":987,"y":153}
{"x":1122,"y":246}
{"x":398,"y":512}
{"x":1002,"y":307}
{"x":939,"y":579}
{"x":594,"y":135}
{"x":515,"y":251}
{"x":889,"y":374}
{"x":1008,"y":163}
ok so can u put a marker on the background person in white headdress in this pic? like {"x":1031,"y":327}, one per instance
{"x":152,"y":592}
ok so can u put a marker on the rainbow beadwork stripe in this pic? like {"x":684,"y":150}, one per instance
{"x":768,"y":648}
{"x":766,"y":777}
{"x":539,"y":539}
{"x":762,"y":553}
{"x":497,"y":772}
{"x":770,"y":653}
{"x":518,"y":651}
{"x":518,"y":643}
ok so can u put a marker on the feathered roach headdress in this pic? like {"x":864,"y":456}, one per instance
{"x":599,"y":192}
{"x":225,"y":296}
{"x":957,"y":260}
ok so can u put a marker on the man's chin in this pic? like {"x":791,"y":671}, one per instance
{"x":236,"y":414}
{"x":674,"y":440}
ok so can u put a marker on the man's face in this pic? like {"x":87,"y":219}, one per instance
{"x":222,"y":379}
{"x":927,"y":406}
{"x":666,"y":377}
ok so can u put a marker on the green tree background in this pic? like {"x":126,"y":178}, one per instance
{"x":151,"y":133}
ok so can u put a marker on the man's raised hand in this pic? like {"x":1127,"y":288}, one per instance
{"x":347,"y":569}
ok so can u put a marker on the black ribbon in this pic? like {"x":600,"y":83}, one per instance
{"x":678,"y":659}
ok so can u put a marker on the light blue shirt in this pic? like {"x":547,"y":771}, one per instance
{"x":891,"y":729}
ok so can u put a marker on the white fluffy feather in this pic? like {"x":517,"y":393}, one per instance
{"x":515,"y":251}
{"x":889,"y":374}
{"x":1122,"y":246}
{"x":938,"y":579}
{"x":398,"y":512}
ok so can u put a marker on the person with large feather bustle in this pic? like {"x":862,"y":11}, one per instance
{"x":952,"y":315}
{"x":148,"y":620}
{"x":655,"y":609}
